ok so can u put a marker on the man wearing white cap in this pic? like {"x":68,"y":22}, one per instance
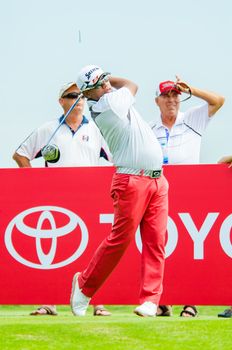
{"x":78,"y":139}
{"x":180,"y":135}
{"x":79,"y":143}
{"x":139,"y":191}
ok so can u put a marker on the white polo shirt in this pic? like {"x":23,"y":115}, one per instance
{"x":184,"y":139}
{"x":130,"y":139}
{"x":80,"y":148}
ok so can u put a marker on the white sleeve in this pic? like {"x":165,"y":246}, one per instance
{"x":31,"y":146}
{"x":197,"y":118}
{"x":119,"y":101}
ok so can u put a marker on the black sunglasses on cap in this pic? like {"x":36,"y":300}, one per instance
{"x":104,"y":78}
{"x":73,"y":95}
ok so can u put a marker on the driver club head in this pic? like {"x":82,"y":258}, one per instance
{"x":51,"y":153}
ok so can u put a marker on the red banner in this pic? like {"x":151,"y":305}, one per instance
{"x":52,"y":220}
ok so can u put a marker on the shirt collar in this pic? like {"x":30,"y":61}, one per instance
{"x":84,"y":120}
{"x":179,"y":120}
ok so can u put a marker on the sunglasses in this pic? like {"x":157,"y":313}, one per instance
{"x":104,"y":78}
{"x":73,"y":95}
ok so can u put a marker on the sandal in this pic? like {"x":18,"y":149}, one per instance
{"x":226,"y":313}
{"x":164,"y":310}
{"x":189,"y":313}
{"x":45,"y":310}
{"x":100,"y":310}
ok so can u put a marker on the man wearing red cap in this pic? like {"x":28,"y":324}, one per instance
{"x":180,"y":134}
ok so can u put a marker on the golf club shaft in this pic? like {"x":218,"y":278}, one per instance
{"x":63,"y":119}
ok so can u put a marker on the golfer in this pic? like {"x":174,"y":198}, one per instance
{"x":139,"y":191}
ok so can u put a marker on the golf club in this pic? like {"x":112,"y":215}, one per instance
{"x":50,"y":152}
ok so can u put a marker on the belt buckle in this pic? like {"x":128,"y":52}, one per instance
{"x":155,"y":174}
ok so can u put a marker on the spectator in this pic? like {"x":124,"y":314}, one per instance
{"x":80,"y":144}
{"x":228,"y":160}
{"x":180,"y":133}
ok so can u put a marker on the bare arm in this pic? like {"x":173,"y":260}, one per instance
{"x":214,"y":100}
{"x":23,"y":162}
{"x":118,"y":83}
{"x":227,"y":160}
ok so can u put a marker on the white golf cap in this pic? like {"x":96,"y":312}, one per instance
{"x":89,"y":76}
{"x":66,"y":87}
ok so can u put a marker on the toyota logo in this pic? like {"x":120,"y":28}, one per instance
{"x":46,"y":214}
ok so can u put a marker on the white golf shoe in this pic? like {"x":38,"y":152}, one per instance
{"x":147,"y":309}
{"x":79,"y":302}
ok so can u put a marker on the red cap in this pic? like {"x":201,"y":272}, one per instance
{"x":167,"y":86}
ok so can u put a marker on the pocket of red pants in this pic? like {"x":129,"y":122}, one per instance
{"x":119,"y":184}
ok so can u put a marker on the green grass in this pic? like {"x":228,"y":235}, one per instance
{"x":123,"y":330}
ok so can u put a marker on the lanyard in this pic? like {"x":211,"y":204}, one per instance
{"x":167,"y":134}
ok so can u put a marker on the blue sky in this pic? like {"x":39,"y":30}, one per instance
{"x":147,"y":42}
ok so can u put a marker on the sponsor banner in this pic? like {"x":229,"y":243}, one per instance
{"x":52,"y":220}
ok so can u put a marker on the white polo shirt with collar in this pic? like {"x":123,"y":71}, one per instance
{"x":80,"y":148}
{"x":130,"y":139}
{"x":183,"y":141}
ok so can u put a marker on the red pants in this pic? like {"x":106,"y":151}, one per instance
{"x":138,"y":200}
